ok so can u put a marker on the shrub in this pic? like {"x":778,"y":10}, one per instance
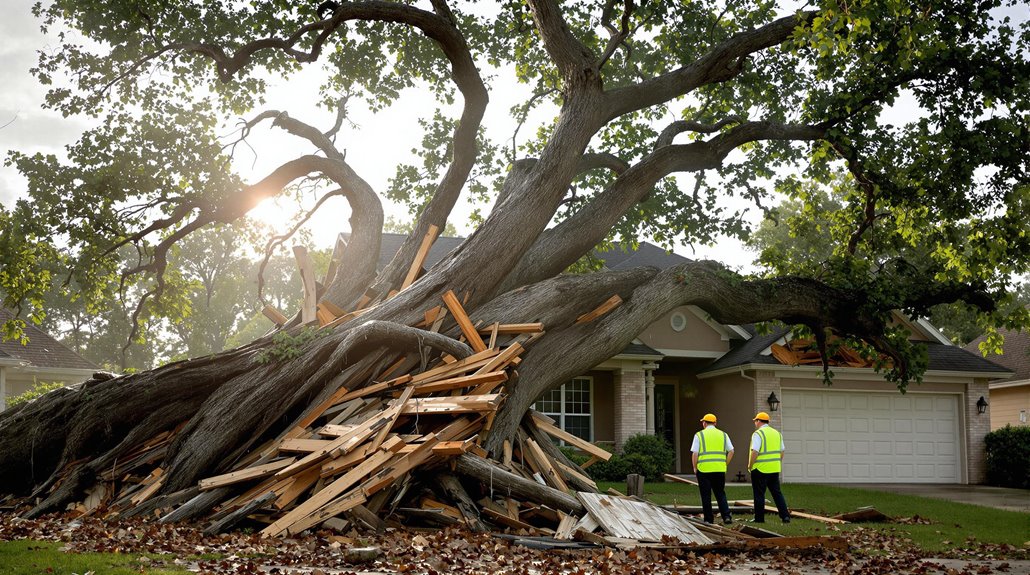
{"x":1008,"y":457}
{"x":40,"y":388}
{"x":646,"y":455}
{"x":656,"y":449}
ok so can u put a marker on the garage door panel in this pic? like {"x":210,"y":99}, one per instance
{"x":843,"y":436}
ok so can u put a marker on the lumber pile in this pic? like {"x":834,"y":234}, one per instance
{"x":401,"y":445}
{"x":804,"y":351}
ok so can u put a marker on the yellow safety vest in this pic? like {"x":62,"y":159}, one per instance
{"x":771,"y":451}
{"x":711,"y":455}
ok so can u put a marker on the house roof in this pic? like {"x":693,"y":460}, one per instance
{"x":42,"y":350}
{"x":646,"y":254}
{"x":1016,"y":352}
{"x":641,"y":349}
{"x":941,"y":357}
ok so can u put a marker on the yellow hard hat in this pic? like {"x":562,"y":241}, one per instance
{"x":761,"y":416}
{"x":709,"y":417}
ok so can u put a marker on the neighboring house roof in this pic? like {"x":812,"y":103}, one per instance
{"x":392,"y":242}
{"x":42,"y":350}
{"x":1015,"y":356}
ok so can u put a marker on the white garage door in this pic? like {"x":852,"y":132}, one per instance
{"x":863,"y":437}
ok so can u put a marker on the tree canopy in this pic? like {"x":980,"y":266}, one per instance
{"x":644,"y":120}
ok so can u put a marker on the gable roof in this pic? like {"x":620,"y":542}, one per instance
{"x":42,"y":350}
{"x":1016,"y":350}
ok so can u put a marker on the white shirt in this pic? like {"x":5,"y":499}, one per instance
{"x":696,"y":445}
{"x":756,"y":441}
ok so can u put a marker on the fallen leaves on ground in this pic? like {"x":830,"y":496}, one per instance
{"x":451,"y":551}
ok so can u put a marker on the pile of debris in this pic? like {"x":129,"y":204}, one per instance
{"x":804,"y":351}
{"x":402,"y":447}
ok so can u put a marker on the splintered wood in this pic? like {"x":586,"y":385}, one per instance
{"x":806,"y":352}
{"x":400,"y":443}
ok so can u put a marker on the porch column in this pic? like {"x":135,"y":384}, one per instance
{"x":977,"y":426}
{"x":3,"y":388}
{"x":649,"y":391}
{"x":630,"y":404}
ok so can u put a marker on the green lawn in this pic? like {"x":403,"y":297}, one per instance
{"x":951,"y":523}
{"x":27,"y":557}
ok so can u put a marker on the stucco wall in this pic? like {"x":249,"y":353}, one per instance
{"x":696,"y":336}
{"x":729,"y":397}
{"x":1006,"y":403}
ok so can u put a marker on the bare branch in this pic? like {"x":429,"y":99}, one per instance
{"x":616,"y":36}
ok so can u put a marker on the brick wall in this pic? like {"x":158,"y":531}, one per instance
{"x":977,"y":426}
{"x":630,"y":405}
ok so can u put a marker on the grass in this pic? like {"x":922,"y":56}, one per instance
{"x":951,"y":523}
{"x":27,"y":557}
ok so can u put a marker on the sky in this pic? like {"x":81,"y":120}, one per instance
{"x":374,"y":149}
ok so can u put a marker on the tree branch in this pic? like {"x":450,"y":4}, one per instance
{"x":720,"y":64}
{"x":569,"y":54}
{"x":559,"y":247}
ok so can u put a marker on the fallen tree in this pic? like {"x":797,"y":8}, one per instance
{"x":830,"y":76}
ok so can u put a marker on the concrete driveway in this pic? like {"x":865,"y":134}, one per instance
{"x":997,"y":497}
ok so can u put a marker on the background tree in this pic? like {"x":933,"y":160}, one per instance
{"x":726,"y":94}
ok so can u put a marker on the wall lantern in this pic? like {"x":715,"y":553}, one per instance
{"x":774,"y":402}
{"x":981,"y":405}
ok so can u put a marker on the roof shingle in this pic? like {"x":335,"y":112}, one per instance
{"x":42,"y":349}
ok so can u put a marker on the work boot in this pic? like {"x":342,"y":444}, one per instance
{"x":786,"y":519}
{"x":727,"y":520}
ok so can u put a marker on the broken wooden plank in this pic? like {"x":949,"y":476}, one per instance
{"x":250,"y":473}
{"x":274,"y":315}
{"x":420,"y":256}
{"x":678,"y":479}
{"x":240,"y":514}
{"x":513,"y":328}
{"x":452,"y":404}
{"x":812,"y":516}
{"x":464,"y":323}
{"x":493,"y":377}
{"x":610,"y":304}
{"x":296,"y":445}
{"x":577,"y":442}
{"x":307,"y":276}
{"x":863,"y":515}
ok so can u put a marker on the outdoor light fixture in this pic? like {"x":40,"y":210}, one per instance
{"x":981,"y":405}
{"x":774,"y":402}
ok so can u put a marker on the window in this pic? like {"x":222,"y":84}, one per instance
{"x":570,"y":406}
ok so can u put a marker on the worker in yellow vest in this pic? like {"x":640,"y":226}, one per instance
{"x":710,"y":452}
{"x":765,"y":464}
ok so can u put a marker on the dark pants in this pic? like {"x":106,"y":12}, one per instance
{"x":709,"y":482}
{"x":759,"y":482}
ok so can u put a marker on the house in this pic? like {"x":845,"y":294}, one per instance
{"x":1009,"y":399}
{"x":43,"y":360}
{"x":859,"y":430}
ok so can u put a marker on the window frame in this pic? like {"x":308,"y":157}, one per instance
{"x":560,"y":417}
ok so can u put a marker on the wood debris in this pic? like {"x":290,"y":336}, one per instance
{"x":804,"y":351}
{"x":400,"y":444}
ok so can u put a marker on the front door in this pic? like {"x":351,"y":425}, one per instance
{"x":665,"y":413}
